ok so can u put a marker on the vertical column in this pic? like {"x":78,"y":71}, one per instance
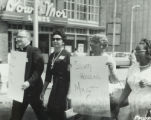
{"x":35,"y":24}
{"x":3,"y":41}
{"x":103,"y":12}
{"x":114,"y":26}
{"x":75,"y":40}
{"x":88,"y":43}
{"x":3,"y":56}
{"x":50,"y":43}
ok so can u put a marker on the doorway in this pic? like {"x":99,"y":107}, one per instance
{"x":44,"y":45}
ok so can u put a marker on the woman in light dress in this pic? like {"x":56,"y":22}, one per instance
{"x":138,"y":84}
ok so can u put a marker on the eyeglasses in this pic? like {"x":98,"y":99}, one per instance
{"x":139,"y":51}
{"x":57,"y":39}
{"x":20,"y":37}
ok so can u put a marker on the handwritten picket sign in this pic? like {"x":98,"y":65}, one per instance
{"x":17,"y":62}
{"x":89,"y":90}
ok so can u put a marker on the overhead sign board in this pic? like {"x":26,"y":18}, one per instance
{"x":46,"y":8}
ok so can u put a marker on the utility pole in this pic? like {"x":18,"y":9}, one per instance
{"x":114,"y":26}
{"x":132,"y":20}
{"x":35,"y":24}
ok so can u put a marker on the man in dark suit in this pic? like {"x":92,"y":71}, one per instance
{"x":33,"y":83}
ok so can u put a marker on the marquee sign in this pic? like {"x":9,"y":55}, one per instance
{"x":46,"y":8}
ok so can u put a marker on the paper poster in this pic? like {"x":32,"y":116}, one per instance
{"x":17,"y":64}
{"x":89,"y":86}
{"x":81,"y":48}
{"x":68,"y":48}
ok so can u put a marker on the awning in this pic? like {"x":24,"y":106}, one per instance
{"x":22,"y":17}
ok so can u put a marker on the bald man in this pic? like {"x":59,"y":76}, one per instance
{"x":33,"y":83}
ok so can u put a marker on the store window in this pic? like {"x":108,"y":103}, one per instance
{"x":82,"y":44}
{"x":82,"y":10}
{"x":9,"y":41}
{"x":44,"y":43}
{"x":81,"y":31}
{"x":69,"y":7}
{"x":12,"y":41}
{"x":69,"y":43}
{"x":70,"y":30}
{"x":15,"y":26}
{"x":109,"y":33}
{"x":93,"y":10}
{"x":92,"y":32}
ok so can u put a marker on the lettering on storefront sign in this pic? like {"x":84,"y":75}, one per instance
{"x":17,"y":6}
{"x":21,"y":9}
{"x":50,"y":10}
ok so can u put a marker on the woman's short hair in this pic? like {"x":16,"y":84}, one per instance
{"x":148,"y":45}
{"x":61,"y":33}
{"x":97,"y":38}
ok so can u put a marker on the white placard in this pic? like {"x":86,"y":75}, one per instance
{"x":89,"y":86}
{"x":68,"y":48}
{"x":17,"y":64}
{"x":81,"y":48}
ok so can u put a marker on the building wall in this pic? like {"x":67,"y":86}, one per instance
{"x":141,"y":25}
{"x":142,"y":18}
{"x":103,"y":12}
{"x":3,"y":4}
{"x":3,"y":41}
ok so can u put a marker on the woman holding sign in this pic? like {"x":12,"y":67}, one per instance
{"x":138,"y":84}
{"x":98,"y":45}
{"x":58,"y":72}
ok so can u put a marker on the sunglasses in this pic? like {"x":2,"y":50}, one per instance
{"x":139,"y":51}
{"x":57,"y":39}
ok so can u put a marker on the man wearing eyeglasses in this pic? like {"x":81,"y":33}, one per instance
{"x":33,"y":83}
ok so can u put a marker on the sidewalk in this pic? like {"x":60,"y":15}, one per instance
{"x":5,"y":109}
{"x":6,"y":105}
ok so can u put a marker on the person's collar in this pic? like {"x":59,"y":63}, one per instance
{"x":58,"y":50}
{"x":25,"y":48}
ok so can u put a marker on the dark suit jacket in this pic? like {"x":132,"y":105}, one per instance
{"x":33,"y":71}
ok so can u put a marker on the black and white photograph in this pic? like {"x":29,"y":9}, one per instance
{"x":75,"y":60}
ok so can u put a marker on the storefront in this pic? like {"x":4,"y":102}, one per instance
{"x":80,"y":19}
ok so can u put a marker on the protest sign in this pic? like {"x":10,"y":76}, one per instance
{"x":89,"y":86}
{"x":17,"y":62}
